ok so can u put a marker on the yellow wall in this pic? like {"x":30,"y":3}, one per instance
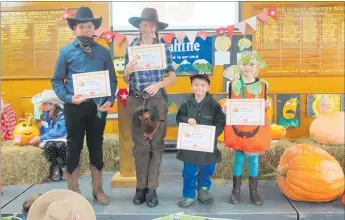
{"x":19,"y":91}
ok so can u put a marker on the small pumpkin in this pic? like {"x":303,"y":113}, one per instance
{"x":25,"y":131}
{"x":328,"y":128}
{"x":310,"y":174}
{"x":278,"y":132}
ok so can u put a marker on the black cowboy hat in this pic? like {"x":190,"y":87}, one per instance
{"x":200,"y":75}
{"x":84,"y":14}
{"x":149,"y":14}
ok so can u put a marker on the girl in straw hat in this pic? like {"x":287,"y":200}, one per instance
{"x":146,"y":90}
{"x":84,"y":116}
{"x":52,"y":127}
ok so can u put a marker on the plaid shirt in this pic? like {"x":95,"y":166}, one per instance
{"x":139,"y":80}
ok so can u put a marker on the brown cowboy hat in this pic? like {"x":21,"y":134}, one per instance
{"x":61,"y":204}
{"x":149,"y":14}
{"x":84,"y":14}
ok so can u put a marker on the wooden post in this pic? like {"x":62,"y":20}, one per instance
{"x":126,"y":177}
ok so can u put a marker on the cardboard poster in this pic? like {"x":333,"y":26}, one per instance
{"x":320,"y":103}
{"x":288,"y":110}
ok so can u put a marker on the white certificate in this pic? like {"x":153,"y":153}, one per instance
{"x":149,"y":57}
{"x":245,"y":112}
{"x":196,"y":138}
{"x":92,"y":84}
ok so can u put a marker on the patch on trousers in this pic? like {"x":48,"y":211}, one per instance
{"x":149,"y":121}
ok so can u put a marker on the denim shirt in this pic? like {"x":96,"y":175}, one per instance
{"x":73,"y":60}
{"x":53,"y":128}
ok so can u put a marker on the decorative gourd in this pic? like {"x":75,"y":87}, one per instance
{"x":25,"y":131}
{"x":278,"y":132}
{"x":328,"y":128}
{"x":308,"y":173}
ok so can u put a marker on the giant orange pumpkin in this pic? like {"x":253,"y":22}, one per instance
{"x":310,"y":174}
{"x":25,"y":131}
{"x":278,"y":132}
{"x":328,"y":128}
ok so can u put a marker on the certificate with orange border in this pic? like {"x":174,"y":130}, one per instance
{"x":149,"y":57}
{"x":245,"y":112}
{"x":92,"y":84}
{"x":196,"y":137}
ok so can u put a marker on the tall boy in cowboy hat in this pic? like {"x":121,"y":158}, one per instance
{"x":149,"y":86}
{"x":84,"y":115}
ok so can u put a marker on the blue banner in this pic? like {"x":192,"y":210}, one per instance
{"x":189,"y":59}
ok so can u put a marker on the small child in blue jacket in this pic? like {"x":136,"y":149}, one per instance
{"x":52,"y":127}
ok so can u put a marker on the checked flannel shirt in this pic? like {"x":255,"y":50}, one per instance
{"x":139,"y":80}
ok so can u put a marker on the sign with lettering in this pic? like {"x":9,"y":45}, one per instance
{"x":192,"y":58}
{"x":31,"y":42}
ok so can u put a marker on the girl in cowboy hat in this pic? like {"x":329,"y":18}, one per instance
{"x":84,"y":115}
{"x":52,"y":127}
{"x":146,"y":90}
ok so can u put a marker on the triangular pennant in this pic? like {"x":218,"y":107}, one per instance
{"x":168,"y":38}
{"x":272,"y":11}
{"x":122,"y":96}
{"x":191,"y":36}
{"x":263,"y":17}
{"x":119,"y":38}
{"x":108,"y":36}
{"x":180,"y":36}
{"x":130,"y":38}
{"x":241,"y":26}
{"x":252,"y":22}
{"x":202,"y":34}
{"x":231,"y":29}
{"x":221,"y":30}
{"x":67,"y":14}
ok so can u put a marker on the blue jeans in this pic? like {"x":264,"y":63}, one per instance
{"x":240,"y":159}
{"x":195,"y":177}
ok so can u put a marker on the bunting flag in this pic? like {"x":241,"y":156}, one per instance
{"x":119,"y":38}
{"x":202,"y":34}
{"x":231,"y":29}
{"x":122,"y":96}
{"x":252,"y":22}
{"x":272,"y":11}
{"x":180,"y":36}
{"x":221,"y":30}
{"x":130,"y":38}
{"x":241,"y":26}
{"x":67,"y":14}
{"x":191,"y":35}
{"x":263,"y":17}
{"x":108,"y":36}
{"x":168,"y":38}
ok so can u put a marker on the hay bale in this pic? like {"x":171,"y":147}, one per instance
{"x":28,"y":164}
{"x":23,"y":165}
{"x":270,"y":159}
{"x":110,"y":155}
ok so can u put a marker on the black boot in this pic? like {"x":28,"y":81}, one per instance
{"x":236,"y":189}
{"x":253,"y":185}
{"x":55,"y":173}
{"x":140,"y":196}
{"x":151,"y":198}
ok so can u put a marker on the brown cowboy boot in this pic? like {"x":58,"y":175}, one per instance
{"x":97,"y":186}
{"x":72,"y":180}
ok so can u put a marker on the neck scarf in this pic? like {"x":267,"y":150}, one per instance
{"x":85,"y":43}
